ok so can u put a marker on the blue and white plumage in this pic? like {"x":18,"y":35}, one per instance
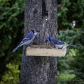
{"x":27,"y":39}
{"x":58,"y":44}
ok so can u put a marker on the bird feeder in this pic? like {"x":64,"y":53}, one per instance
{"x":45,"y":50}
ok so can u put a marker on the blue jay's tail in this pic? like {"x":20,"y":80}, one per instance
{"x":16,"y":48}
{"x":72,"y":45}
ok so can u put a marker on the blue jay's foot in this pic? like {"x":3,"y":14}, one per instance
{"x":63,"y":47}
{"x":40,"y":46}
{"x":28,"y":46}
{"x":51,"y":47}
{"x":56,"y":47}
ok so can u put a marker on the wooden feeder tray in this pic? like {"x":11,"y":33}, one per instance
{"x":44,"y":50}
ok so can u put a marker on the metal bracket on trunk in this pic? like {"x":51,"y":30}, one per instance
{"x":44,"y":12}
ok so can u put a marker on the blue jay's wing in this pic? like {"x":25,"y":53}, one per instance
{"x":60,"y":43}
{"x":30,"y":35}
{"x":55,"y":41}
{"x":27,"y":37}
{"x":25,"y":40}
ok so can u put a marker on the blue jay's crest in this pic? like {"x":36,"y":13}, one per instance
{"x":28,"y":38}
{"x":33,"y":30}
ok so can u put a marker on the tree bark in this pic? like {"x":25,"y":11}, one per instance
{"x":34,"y":69}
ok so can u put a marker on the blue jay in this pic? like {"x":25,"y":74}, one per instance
{"x":58,"y":44}
{"x":28,"y":38}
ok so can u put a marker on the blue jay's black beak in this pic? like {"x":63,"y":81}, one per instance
{"x":46,"y":41}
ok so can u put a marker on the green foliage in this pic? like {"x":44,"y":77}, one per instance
{"x":12,"y":75}
{"x":78,"y":64}
{"x":75,"y":56}
{"x":63,"y":63}
{"x":63,"y":79}
{"x":4,"y":2}
{"x":11,"y":33}
{"x":73,"y":36}
{"x":69,"y":10}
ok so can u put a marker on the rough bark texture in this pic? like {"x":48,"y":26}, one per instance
{"x":39,"y":70}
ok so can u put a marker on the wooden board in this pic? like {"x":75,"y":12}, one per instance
{"x":43,"y":50}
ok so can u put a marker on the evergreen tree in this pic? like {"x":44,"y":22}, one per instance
{"x":69,"y":10}
{"x":11,"y":33}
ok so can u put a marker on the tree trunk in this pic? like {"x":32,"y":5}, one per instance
{"x":39,"y":70}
